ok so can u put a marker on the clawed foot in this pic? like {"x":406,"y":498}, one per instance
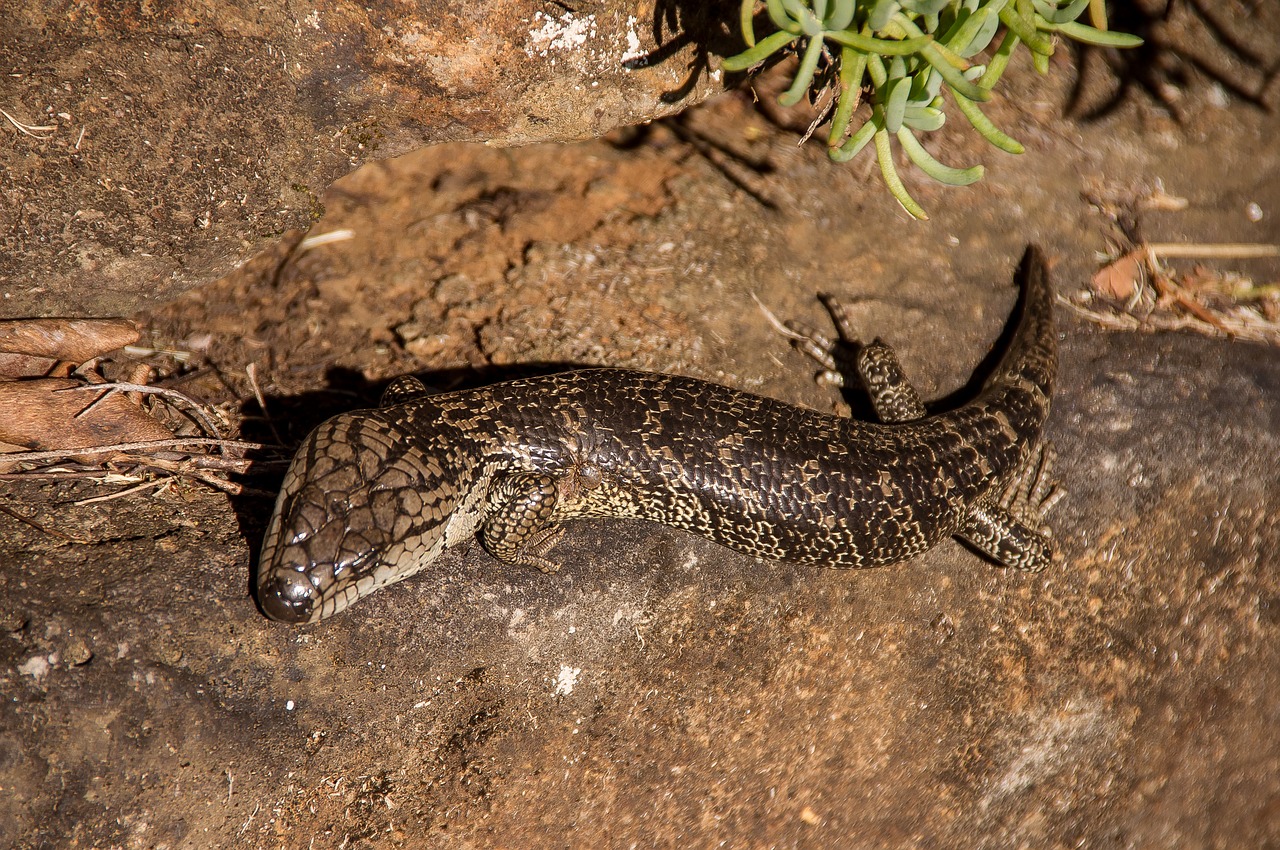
{"x":874,"y":365}
{"x":1032,"y":493}
{"x":836,"y":358}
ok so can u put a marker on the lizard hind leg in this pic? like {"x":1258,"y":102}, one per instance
{"x":893,"y":397}
{"x":1009,"y":527}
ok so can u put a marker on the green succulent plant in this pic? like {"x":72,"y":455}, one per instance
{"x":906,"y":52}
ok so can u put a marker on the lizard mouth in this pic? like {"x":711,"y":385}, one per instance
{"x":289,"y":598}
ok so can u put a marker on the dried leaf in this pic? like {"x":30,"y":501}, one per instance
{"x":76,"y":340}
{"x":34,"y":415}
{"x":1120,"y":279}
{"x":30,"y":366}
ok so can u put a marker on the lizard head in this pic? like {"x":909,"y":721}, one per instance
{"x":354,"y":514}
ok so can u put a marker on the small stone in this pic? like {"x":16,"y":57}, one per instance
{"x":77,"y":653}
{"x":11,"y":621}
{"x":455,"y":289}
{"x":428,"y":347}
{"x":410,"y":332}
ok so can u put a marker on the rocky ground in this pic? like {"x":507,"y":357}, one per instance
{"x":660,"y":690}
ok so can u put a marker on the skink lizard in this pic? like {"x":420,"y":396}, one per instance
{"x":374,"y":496}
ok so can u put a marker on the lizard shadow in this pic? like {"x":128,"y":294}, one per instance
{"x":855,"y":395}
{"x":987,"y":366}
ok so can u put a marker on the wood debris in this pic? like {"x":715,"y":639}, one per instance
{"x":1135,"y":292}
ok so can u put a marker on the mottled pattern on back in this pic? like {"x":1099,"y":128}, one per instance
{"x":376,"y":495}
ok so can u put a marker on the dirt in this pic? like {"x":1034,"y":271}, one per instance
{"x":660,"y":690}
{"x":152,"y":148}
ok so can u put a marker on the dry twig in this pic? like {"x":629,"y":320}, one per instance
{"x":162,"y":483}
{"x":53,"y":532}
{"x":202,"y":415}
{"x":252,"y":371}
{"x":32,"y":130}
{"x":147,"y":445}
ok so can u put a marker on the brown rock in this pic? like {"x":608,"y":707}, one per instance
{"x":152,"y":147}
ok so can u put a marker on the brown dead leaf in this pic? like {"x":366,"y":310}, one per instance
{"x":30,"y":366}
{"x":76,"y":340}
{"x":35,"y":416}
{"x":1119,"y":279}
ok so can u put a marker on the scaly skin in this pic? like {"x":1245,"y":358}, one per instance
{"x":374,"y":496}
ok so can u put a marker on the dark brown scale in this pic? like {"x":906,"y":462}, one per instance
{"x":375,"y":495}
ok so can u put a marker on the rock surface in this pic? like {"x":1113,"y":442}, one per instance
{"x":162,"y":145}
{"x":661,"y":691}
